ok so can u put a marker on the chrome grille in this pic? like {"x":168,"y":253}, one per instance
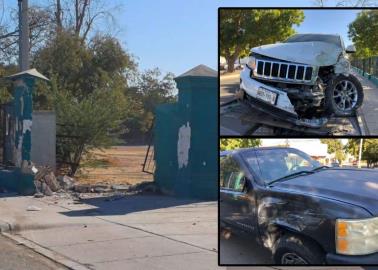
{"x":283,"y":71}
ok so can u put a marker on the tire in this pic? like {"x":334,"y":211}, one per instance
{"x":343,"y":90}
{"x":290,"y":247}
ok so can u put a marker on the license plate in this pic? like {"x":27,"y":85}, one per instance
{"x":266,"y":95}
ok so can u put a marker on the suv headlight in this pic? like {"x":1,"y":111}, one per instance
{"x":251,"y":62}
{"x":357,"y":236}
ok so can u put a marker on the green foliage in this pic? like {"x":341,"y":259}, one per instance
{"x":369,"y":149}
{"x":230,"y":144}
{"x":362,"y":30}
{"x":335,"y":146}
{"x":88,"y":92}
{"x":92,"y":122}
{"x":150,"y":89}
{"x":6,"y":85}
{"x":97,"y":93}
{"x":243,"y":29}
{"x":80,"y":68}
{"x":370,"y":152}
{"x":352,"y":147}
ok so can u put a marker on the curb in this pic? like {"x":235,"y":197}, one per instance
{"x":362,"y":122}
{"x":52,"y":255}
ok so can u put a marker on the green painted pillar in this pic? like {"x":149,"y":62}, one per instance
{"x":21,"y":178}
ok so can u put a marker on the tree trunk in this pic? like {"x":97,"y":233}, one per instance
{"x":231,"y":62}
{"x":58,"y":16}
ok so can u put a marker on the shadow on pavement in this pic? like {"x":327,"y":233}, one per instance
{"x":240,"y":250}
{"x":115,"y":205}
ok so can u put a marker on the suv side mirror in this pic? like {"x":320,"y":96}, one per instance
{"x":350,"y":49}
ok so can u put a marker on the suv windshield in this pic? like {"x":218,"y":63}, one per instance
{"x":314,"y":37}
{"x":274,"y":164}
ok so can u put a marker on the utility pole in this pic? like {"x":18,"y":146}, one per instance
{"x":23,"y":26}
{"x":360,"y":153}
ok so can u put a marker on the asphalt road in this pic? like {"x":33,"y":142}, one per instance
{"x":241,"y":251}
{"x":239,"y":122}
{"x":14,"y":256}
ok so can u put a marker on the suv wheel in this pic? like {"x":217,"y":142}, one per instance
{"x":294,"y":250}
{"x":343,"y":95}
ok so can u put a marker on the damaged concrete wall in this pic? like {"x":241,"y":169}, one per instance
{"x":43,"y":149}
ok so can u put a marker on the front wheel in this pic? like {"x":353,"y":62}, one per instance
{"x":343,"y":95}
{"x":293,"y":250}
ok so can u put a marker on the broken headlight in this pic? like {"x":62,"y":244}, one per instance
{"x":357,"y":236}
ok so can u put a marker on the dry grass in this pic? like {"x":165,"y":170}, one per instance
{"x":117,"y":165}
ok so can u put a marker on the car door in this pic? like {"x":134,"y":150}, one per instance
{"x":237,"y":202}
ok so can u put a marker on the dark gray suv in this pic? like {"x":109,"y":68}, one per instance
{"x":303,"y":212}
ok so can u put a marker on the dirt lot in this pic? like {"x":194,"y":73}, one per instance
{"x":117,"y":165}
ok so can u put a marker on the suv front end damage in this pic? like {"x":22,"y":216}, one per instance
{"x":302,"y":80}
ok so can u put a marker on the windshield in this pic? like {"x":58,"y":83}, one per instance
{"x":273,"y":164}
{"x":313,"y":37}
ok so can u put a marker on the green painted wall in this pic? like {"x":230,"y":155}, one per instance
{"x":197,"y":105}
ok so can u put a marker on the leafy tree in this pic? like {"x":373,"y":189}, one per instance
{"x":81,"y":68}
{"x":149,"y":89}
{"x":230,"y":144}
{"x":92,"y":122}
{"x":243,"y":29}
{"x":352,"y":147}
{"x":369,"y":149}
{"x":360,"y":31}
{"x":370,"y":153}
{"x":335,"y":147}
{"x":88,"y":92}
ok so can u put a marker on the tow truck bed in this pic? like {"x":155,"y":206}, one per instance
{"x":238,"y":118}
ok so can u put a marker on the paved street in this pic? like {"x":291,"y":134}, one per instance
{"x":239,"y":121}
{"x":129,"y":232}
{"x":15,"y":256}
{"x":239,"y":250}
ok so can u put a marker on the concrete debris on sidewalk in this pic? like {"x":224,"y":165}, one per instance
{"x":45,"y":181}
{"x":33,"y":208}
{"x":66,"y":182}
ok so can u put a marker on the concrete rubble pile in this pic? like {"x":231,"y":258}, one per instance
{"x":46,"y":183}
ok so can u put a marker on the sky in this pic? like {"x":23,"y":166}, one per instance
{"x":177,"y":35}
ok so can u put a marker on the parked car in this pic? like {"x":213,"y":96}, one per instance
{"x":306,"y":76}
{"x":305,"y":213}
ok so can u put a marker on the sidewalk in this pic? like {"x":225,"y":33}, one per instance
{"x":132,"y":232}
{"x":368,"y":113}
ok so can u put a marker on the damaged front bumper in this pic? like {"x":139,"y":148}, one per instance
{"x":273,"y":101}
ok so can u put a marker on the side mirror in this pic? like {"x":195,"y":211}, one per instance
{"x":350,"y":49}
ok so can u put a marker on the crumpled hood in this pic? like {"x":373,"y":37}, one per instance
{"x":355,"y":186}
{"x":314,"y":53}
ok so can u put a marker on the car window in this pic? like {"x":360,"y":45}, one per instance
{"x":231,"y":175}
{"x":276,"y":163}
